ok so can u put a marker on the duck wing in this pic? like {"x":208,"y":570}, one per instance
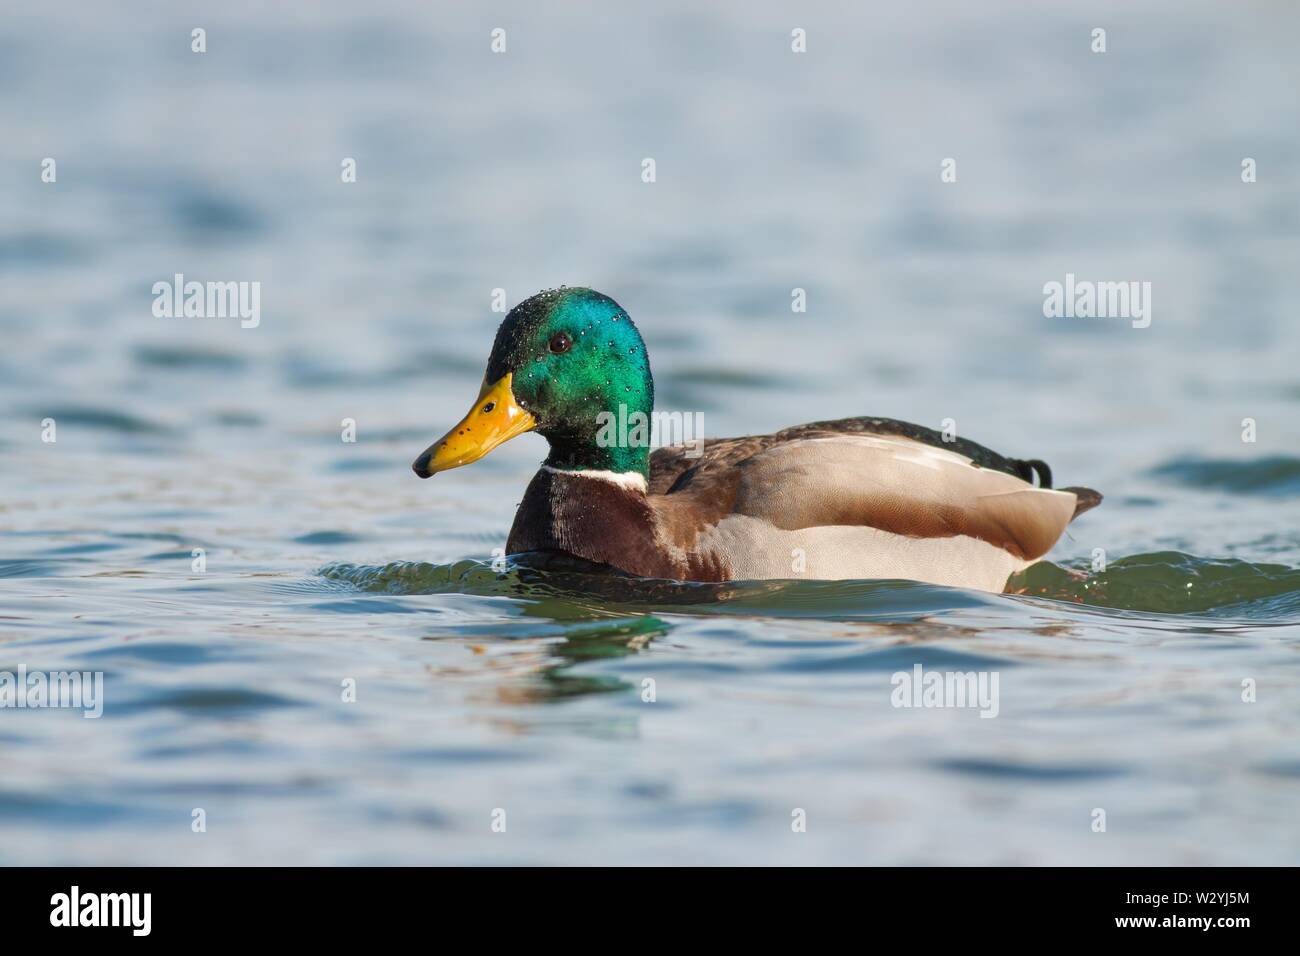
{"x":746,"y":503}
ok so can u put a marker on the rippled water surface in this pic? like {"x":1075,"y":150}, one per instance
{"x":482,"y":688}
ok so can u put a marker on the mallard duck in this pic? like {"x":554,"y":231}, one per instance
{"x":853,"y":498}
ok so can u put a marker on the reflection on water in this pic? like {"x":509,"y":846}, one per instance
{"x":304,"y":640}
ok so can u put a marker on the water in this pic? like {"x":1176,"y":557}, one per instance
{"x":477,"y":690}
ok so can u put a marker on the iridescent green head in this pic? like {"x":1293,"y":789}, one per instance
{"x":569,"y":364}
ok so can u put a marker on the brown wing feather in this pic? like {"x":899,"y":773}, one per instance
{"x":889,"y":478}
{"x":669,"y":465}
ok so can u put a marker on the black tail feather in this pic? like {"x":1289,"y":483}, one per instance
{"x":1032,"y":466}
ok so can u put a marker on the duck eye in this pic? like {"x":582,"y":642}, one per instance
{"x":560,"y":343}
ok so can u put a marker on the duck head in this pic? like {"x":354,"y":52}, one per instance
{"x":566,"y":363}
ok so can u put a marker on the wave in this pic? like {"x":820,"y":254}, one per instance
{"x":1166,"y":582}
{"x":1275,"y":475}
{"x":1171,"y":582}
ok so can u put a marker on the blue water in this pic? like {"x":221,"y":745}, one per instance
{"x":479,"y":690}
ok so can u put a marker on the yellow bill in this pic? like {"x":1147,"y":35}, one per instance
{"x":495,"y":419}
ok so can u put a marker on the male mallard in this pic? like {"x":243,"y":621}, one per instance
{"x":854,"y":498}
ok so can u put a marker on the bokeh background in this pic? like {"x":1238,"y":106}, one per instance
{"x":521,"y":171}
